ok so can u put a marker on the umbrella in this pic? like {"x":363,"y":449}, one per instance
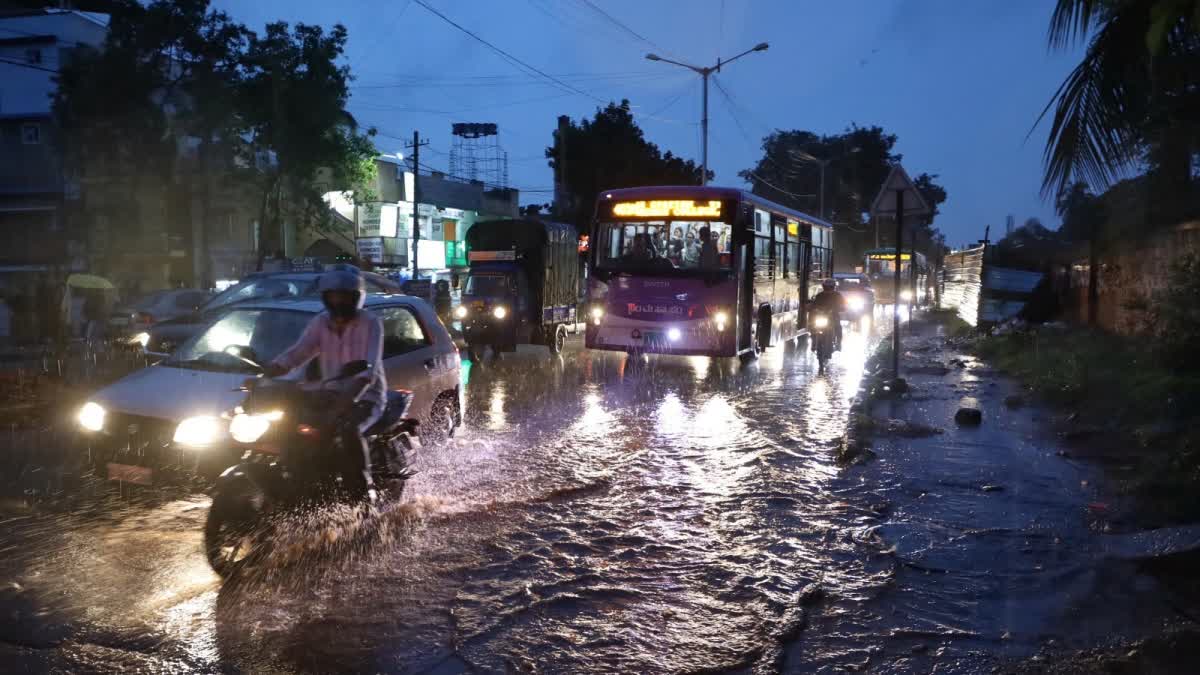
{"x":89,"y":281}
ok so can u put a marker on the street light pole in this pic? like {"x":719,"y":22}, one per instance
{"x":704,"y":74}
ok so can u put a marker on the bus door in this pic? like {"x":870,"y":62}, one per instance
{"x":746,"y":314}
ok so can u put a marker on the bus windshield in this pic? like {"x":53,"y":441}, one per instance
{"x":658,"y":246}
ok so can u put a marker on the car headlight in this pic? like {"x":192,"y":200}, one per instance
{"x":142,"y":339}
{"x":460,"y":312}
{"x":906,"y":296}
{"x":198,"y":432}
{"x":91,"y":416}
{"x":249,"y":428}
{"x":856,"y":302}
{"x":500,"y":312}
{"x":821,"y":321}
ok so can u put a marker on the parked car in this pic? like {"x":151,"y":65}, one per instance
{"x":133,"y":320}
{"x":860,"y":296}
{"x":165,"y":336}
{"x":167,"y":418}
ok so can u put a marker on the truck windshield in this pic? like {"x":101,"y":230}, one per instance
{"x":487,"y":285}
{"x":658,"y":246}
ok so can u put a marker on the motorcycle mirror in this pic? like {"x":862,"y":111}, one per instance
{"x":244,"y":354}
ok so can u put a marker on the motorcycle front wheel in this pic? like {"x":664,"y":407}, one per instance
{"x":231,"y":531}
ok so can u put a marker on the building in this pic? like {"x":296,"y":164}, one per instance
{"x":39,"y":240}
{"x":382,"y":232}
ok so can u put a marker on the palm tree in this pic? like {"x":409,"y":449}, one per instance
{"x":1133,"y":100}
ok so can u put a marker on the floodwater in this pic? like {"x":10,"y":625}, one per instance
{"x":596,"y":515}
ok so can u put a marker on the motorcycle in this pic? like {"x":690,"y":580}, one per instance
{"x":823,"y":335}
{"x":291,"y":461}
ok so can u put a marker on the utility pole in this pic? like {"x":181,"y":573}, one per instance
{"x":560,"y":169}
{"x":896,"y":284}
{"x":416,"y":200}
{"x":704,"y":73}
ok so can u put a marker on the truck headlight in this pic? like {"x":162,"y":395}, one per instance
{"x":821,"y":321}
{"x":856,"y":302}
{"x":500,"y":312}
{"x":198,"y":432}
{"x":460,"y":312}
{"x":249,"y":428}
{"x":91,"y":416}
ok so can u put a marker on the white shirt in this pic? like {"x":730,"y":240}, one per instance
{"x":359,"y":340}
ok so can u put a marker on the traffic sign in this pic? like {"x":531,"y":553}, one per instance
{"x":897,"y":182}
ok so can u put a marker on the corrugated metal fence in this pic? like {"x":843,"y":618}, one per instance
{"x":962,"y":283}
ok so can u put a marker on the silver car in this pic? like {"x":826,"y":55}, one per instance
{"x":167,"y":418}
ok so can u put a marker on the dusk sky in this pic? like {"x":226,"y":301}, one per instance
{"x":960,"y":83}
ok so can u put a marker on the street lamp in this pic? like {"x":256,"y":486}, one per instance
{"x":805,"y":157}
{"x":704,"y":73}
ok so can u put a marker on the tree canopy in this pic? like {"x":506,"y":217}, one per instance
{"x":611,"y":151}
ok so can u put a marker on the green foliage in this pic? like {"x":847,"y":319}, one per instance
{"x":611,"y":151}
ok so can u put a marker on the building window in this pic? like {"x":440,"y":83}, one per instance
{"x":31,"y":134}
{"x":33,"y":56}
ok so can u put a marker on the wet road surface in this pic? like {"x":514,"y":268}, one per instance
{"x":596,"y":515}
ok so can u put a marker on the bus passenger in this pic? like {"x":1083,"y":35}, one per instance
{"x":710,"y":259}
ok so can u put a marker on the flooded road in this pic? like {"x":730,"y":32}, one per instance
{"x":596,"y":515}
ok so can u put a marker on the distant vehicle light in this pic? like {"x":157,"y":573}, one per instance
{"x":674,"y":334}
{"x":460,"y":312}
{"x":906,"y":296}
{"x":91,"y":416}
{"x":500,"y":312}
{"x":856,"y":302}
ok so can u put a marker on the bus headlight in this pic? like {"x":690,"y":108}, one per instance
{"x":906,"y":296}
{"x":821,"y":321}
{"x":249,"y":428}
{"x":856,"y":302}
{"x":597,"y":314}
{"x":91,"y":416}
{"x":721,"y":318}
{"x":674,"y":334}
{"x":500,"y":312}
{"x":460,"y":312}
{"x":198,"y":432}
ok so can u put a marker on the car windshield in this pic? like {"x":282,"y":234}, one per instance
{"x":658,"y":246}
{"x":266,"y":332}
{"x":261,"y":289}
{"x":487,"y":285}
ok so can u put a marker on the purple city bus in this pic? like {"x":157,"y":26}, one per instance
{"x":653,"y":287}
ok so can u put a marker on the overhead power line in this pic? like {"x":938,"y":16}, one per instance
{"x":620,"y":25}
{"x":31,"y":66}
{"x":508,"y":57}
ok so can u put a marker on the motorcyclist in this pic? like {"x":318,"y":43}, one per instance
{"x":832,"y":303}
{"x":342,"y":334}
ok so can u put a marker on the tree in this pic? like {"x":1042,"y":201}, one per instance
{"x":611,"y":151}
{"x":856,"y":162}
{"x":293,"y":98}
{"x":1132,"y":101}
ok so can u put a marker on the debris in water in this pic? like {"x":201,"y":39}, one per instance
{"x":992,"y":488}
{"x":968,"y":416}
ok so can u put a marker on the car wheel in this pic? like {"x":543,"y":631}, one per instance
{"x":443,"y":419}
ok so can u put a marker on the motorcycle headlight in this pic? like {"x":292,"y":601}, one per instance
{"x":821,"y":321}
{"x":460,"y":312}
{"x":91,"y":416}
{"x":249,"y":428}
{"x":597,"y":312}
{"x":856,"y":302}
{"x":500,"y":312}
{"x":198,"y":432}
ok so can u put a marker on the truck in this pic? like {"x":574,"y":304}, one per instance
{"x":522,"y":286}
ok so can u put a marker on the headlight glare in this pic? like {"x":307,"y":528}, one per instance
{"x":460,"y":312}
{"x":856,"y":302}
{"x":821,"y":321}
{"x":721,"y":317}
{"x":198,"y":432}
{"x":906,"y":296}
{"x":249,"y":428}
{"x":142,"y":339}
{"x":500,"y":312}
{"x":597,"y":312}
{"x":91,"y":416}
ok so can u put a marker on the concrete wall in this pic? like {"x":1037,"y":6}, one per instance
{"x":1130,"y":276}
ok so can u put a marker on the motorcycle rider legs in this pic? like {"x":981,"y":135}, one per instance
{"x":832,"y":303}
{"x":342,"y":334}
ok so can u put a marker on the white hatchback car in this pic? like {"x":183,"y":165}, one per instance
{"x":135,"y":423}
